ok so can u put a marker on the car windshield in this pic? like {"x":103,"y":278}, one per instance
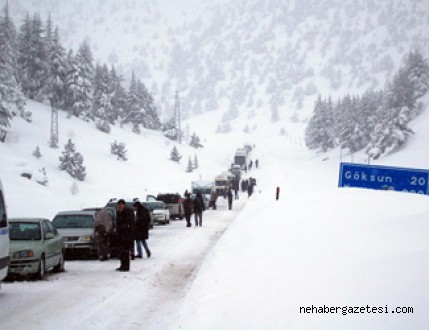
{"x":157,"y":205}
{"x":221,"y":183}
{"x":24,"y":231}
{"x":168,"y":199}
{"x":73,"y":221}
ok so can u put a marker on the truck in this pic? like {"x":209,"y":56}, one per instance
{"x":204,"y":187}
{"x":240,"y":157}
{"x":223,"y":181}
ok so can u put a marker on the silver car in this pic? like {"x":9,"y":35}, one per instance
{"x":77,"y":228}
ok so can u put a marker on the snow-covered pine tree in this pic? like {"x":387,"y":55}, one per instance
{"x":37,"y":153}
{"x":174,"y":155}
{"x":32,"y":58}
{"x":102,"y":107}
{"x":417,"y":68}
{"x":119,"y":96}
{"x":55,"y":89}
{"x":72,"y":162}
{"x":196,"y":163}
{"x":150,"y":118}
{"x":12,"y":100}
{"x":319,"y":133}
{"x":169,"y":128}
{"x":71,"y":86}
{"x":118,"y":149}
{"x":195,"y":142}
{"x":85,"y":76}
{"x":190,"y":166}
{"x":134,"y":113}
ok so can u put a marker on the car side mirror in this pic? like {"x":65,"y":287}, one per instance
{"x":49,"y":235}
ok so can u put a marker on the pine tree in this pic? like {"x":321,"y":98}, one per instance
{"x":32,"y":58}
{"x":85,"y":76}
{"x":72,"y":162}
{"x":102,"y":107}
{"x":37,"y":153}
{"x":196,"y":164}
{"x":118,"y":149}
{"x":195,"y":142}
{"x":11,"y":98}
{"x":134,"y":111}
{"x":320,"y":130}
{"x":119,"y":96}
{"x":56,"y":84}
{"x":174,"y":155}
{"x":190,"y":166}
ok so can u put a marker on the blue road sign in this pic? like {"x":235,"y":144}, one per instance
{"x":384,"y":178}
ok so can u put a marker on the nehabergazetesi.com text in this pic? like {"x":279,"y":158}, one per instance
{"x":344,"y":310}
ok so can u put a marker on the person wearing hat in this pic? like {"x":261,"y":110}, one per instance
{"x":125,"y":227}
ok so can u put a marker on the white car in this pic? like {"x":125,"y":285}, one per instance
{"x":161,"y":213}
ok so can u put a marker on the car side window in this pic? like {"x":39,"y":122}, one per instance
{"x":45,"y":228}
{"x":51,"y":228}
{"x":3,"y":222}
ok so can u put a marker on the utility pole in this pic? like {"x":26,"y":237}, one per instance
{"x":177,"y":116}
{"x":53,"y":143}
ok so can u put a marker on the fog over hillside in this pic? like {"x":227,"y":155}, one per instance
{"x":245,"y":56}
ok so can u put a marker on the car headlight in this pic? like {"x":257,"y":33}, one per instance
{"x":23,"y":254}
{"x":87,"y":238}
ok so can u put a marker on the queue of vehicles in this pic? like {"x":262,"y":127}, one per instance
{"x":31,"y":246}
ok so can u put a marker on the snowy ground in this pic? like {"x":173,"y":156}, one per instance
{"x":251,"y":268}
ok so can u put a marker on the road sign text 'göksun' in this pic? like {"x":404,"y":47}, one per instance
{"x":384,"y":178}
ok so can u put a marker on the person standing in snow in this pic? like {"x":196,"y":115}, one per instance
{"x":213,"y":200}
{"x":188,"y":207}
{"x":256,"y":163}
{"x":103,"y":224}
{"x":142,"y":229}
{"x":229,"y":195}
{"x":250,"y":165}
{"x":198,"y":209}
{"x":250,"y":188}
{"x":125,"y":227}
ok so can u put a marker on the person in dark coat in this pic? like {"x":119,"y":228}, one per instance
{"x":199,"y":208}
{"x":188,"y":206}
{"x":142,"y":229}
{"x":229,"y":195}
{"x":250,"y":188}
{"x":256,"y":163}
{"x":125,"y":227}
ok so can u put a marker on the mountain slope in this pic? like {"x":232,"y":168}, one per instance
{"x":253,"y":56}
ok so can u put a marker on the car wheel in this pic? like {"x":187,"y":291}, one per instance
{"x":60,"y":267}
{"x":42,"y":269}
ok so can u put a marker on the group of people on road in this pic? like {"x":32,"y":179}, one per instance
{"x":195,"y":206}
{"x":132,"y":225}
{"x":130,"y":228}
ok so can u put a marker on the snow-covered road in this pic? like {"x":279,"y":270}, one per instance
{"x":92,"y":295}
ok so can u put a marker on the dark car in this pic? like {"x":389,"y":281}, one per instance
{"x":174,"y":204}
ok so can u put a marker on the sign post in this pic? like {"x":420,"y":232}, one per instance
{"x":384,"y":178}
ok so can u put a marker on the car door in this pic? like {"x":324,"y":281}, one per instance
{"x":57,"y":244}
{"x":48,"y":246}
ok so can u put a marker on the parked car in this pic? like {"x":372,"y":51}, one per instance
{"x":112,"y":203}
{"x":161,"y":212}
{"x":35,"y":247}
{"x":174,"y":204}
{"x":77,"y":227}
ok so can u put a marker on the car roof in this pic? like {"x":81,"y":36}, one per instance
{"x":79,"y":212}
{"x":26,"y":219}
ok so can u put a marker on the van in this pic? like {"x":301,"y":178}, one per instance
{"x":174,"y":204}
{"x":4,"y":237}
